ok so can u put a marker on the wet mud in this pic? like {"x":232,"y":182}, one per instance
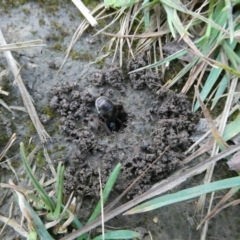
{"x":156,"y":119}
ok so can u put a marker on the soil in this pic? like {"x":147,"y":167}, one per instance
{"x":152,"y":119}
{"x":154,"y":122}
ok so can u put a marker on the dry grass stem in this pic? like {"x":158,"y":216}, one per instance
{"x":22,"y":45}
{"x":6,"y":106}
{"x":80,"y":30}
{"x":119,"y":13}
{"x":9,"y":144}
{"x":65,"y":209}
{"x":203,"y":149}
{"x":209,"y":173}
{"x":41,"y":181}
{"x":143,"y":36}
{"x":195,"y":71}
{"x":85,"y":12}
{"x":219,"y":206}
{"x":101,"y":198}
{"x":235,"y":108}
{"x":150,"y":235}
{"x":9,"y":217}
{"x":23,"y":109}
{"x":12,"y":223}
{"x":49,"y":161}
{"x":63,"y":227}
{"x":12,"y":169}
{"x":3,"y":92}
{"x":27,"y":100}
{"x":3,"y":73}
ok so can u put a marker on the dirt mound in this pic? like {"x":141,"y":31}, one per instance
{"x":154,"y":122}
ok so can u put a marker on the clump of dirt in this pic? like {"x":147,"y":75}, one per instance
{"x":157,"y":119}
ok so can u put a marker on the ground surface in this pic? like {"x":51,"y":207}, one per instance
{"x":66,"y":105}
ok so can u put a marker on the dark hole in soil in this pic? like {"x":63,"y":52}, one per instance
{"x":113,"y":115}
{"x":120,"y":122}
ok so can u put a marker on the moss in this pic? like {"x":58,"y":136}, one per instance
{"x":235,"y":115}
{"x":31,"y":129}
{"x":5,"y":83}
{"x":71,"y":16}
{"x":29,"y":148}
{"x":26,"y":11}
{"x":101,"y":23}
{"x":217,"y":109}
{"x":34,"y":32}
{"x":4,"y":139}
{"x":14,"y":3}
{"x":48,"y":111}
{"x":100,"y":63}
{"x":56,"y":127}
{"x":41,"y":22}
{"x":51,"y":8}
{"x":56,"y":26}
{"x":55,"y":37}
{"x":58,"y":47}
{"x":58,"y":148}
{"x":83,"y":56}
{"x":40,"y":159}
{"x":90,"y":4}
{"x":61,"y":147}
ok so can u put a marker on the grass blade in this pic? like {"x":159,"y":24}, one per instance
{"x":212,"y":78}
{"x":222,"y":87}
{"x":119,"y":234}
{"x":221,"y":143}
{"x":232,"y":129}
{"x":42,"y":193}
{"x":165,"y":60}
{"x":180,"y":7}
{"x":59,"y":190}
{"x":108,"y":188}
{"x":38,"y":224}
{"x":185,"y":195}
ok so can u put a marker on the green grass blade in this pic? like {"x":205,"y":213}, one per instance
{"x":38,"y":224}
{"x":59,"y":185}
{"x":165,"y":60}
{"x":119,"y":3}
{"x":119,"y":234}
{"x":232,"y":129}
{"x":212,"y":78}
{"x":59,"y":190}
{"x":226,"y":67}
{"x":183,"y":71}
{"x":185,"y":195}
{"x":169,"y":12}
{"x":229,"y":10}
{"x":79,"y":225}
{"x":210,"y":16}
{"x":32,"y":236}
{"x":222,"y":87}
{"x":146,"y":14}
{"x":180,"y":7}
{"x":108,"y":188}
{"x":232,"y":56}
{"x":42,"y":193}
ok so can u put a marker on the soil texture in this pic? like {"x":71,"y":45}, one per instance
{"x":157,"y":119}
